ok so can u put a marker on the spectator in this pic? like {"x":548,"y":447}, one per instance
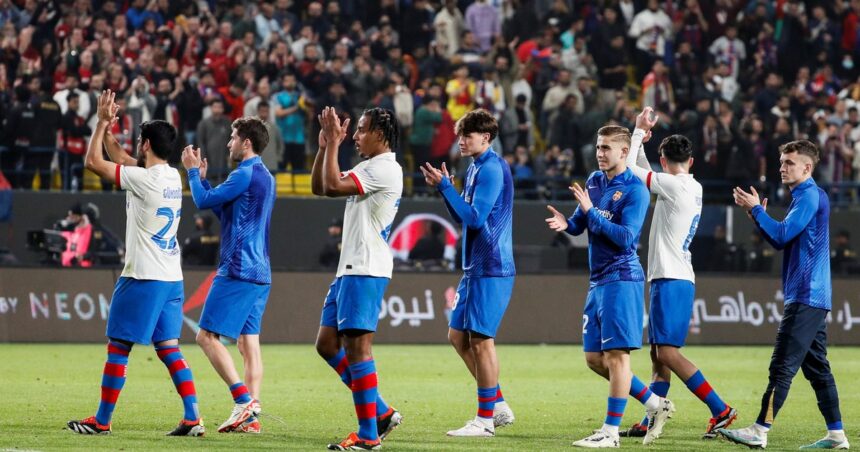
{"x":651,"y":27}
{"x":843,"y":258}
{"x":329,"y":256}
{"x":212,"y":135}
{"x":429,"y":114}
{"x":75,"y":135}
{"x":202,"y":246}
{"x":291,"y":121}
{"x":483,"y":20}
{"x":273,"y":153}
{"x":516,"y":126}
{"x":449,"y":25}
{"x":461,"y":93}
{"x":431,"y":245}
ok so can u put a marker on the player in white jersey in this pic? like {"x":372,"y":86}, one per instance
{"x":670,"y":269}
{"x":351,"y":309}
{"x":146,"y":306}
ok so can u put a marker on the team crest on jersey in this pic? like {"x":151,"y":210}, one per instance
{"x":617,"y":196}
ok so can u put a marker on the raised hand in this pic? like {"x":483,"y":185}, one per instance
{"x":747,"y":200}
{"x":190,"y":157}
{"x":557,"y":222}
{"x":104,"y":106}
{"x":582,"y":196}
{"x":647,"y":119}
{"x":434,"y":176}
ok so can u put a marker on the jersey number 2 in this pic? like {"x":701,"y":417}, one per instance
{"x":166,"y":243}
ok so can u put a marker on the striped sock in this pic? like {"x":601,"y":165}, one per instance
{"x":486,"y":402}
{"x":499,"y":397}
{"x":341,"y":366}
{"x":644,"y":395}
{"x":180,"y":373}
{"x":702,"y":389}
{"x":364,"y":392}
{"x":614,"y":413}
{"x":240,"y":392}
{"x":113,"y":378}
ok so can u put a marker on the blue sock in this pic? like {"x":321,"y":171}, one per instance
{"x":639,"y":391}
{"x":240,"y":392}
{"x":182,"y":378}
{"x":113,"y":379}
{"x":835,"y":426}
{"x":341,"y":366}
{"x":499,"y":396}
{"x":364,"y":392}
{"x":615,"y":411}
{"x":702,"y":389}
{"x":486,"y":402}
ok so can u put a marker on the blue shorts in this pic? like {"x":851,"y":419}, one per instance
{"x":671,"y":309}
{"x":613,"y":316}
{"x":353,"y":302}
{"x":234,"y":307}
{"x":145,"y":311}
{"x":480,"y":304}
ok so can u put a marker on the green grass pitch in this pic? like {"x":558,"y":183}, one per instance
{"x":555,"y":397}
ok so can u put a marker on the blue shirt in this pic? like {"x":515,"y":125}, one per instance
{"x":614,"y":225}
{"x":805,"y":236}
{"x":244,"y":205}
{"x":486,"y":212}
{"x":293,"y":125}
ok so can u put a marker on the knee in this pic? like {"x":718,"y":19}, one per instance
{"x":663,"y":355}
{"x":326,"y":348}
{"x":595,"y":362}
{"x":204,"y":338}
{"x":458,"y":340}
{"x":480,"y":345}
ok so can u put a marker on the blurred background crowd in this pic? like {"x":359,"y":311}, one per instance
{"x":738,"y":77}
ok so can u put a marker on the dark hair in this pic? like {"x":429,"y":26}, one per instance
{"x":477,"y":121}
{"x":384,"y":121}
{"x":253,"y":129}
{"x":262,"y":104}
{"x":71,"y":95}
{"x":803,"y":147}
{"x":676,"y":148}
{"x":161,"y":136}
{"x":614,"y":132}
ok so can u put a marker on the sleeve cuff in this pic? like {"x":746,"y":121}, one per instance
{"x":756,"y":211}
{"x":357,"y":182}
{"x":118,"y":184}
{"x":446,"y":183}
{"x":193,"y":171}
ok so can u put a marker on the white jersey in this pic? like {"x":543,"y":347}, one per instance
{"x":368,"y":217}
{"x":153,"y":204}
{"x":676,"y":216}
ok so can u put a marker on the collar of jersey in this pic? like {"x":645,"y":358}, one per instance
{"x":804,"y":185}
{"x":385,"y":156}
{"x":250,"y":161}
{"x":483,"y":158}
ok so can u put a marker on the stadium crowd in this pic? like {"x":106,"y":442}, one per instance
{"x":738,"y":77}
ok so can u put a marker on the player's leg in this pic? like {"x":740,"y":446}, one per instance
{"x":797,"y":330}
{"x":166,"y":341}
{"x":329,"y":345}
{"x":671,"y":309}
{"x":131,"y":320}
{"x":225,"y":313}
{"x":659,"y":387}
{"x":357,"y":317}
{"x":481,"y":305}
{"x":816,"y":369}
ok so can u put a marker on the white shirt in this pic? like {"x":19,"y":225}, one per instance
{"x":676,"y":216}
{"x":153,"y":204}
{"x":368,"y":217}
{"x":651,"y":29}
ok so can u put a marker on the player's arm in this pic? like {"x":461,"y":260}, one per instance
{"x":94,"y":160}
{"x":488,"y":187}
{"x":779,"y":233}
{"x":632,"y":217}
{"x":335,"y":184}
{"x":115,"y":150}
{"x":316,"y":170}
{"x":452,"y":212}
{"x":636,"y":159}
{"x":577,"y":223}
{"x":204,"y":196}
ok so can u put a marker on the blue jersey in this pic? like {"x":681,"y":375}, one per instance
{"x":486,"y":212}
{"x":244,"y":205}
{"x":805,"y":236}
{"x":614,"y":225}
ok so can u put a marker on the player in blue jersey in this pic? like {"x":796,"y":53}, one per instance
{"x":485,"y":209}
{"x":350,"y":313}
{"x":612,"y":321}
{"x":237,"y":298}
{"x":801,"y":341}
{"x":146,"y":306}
